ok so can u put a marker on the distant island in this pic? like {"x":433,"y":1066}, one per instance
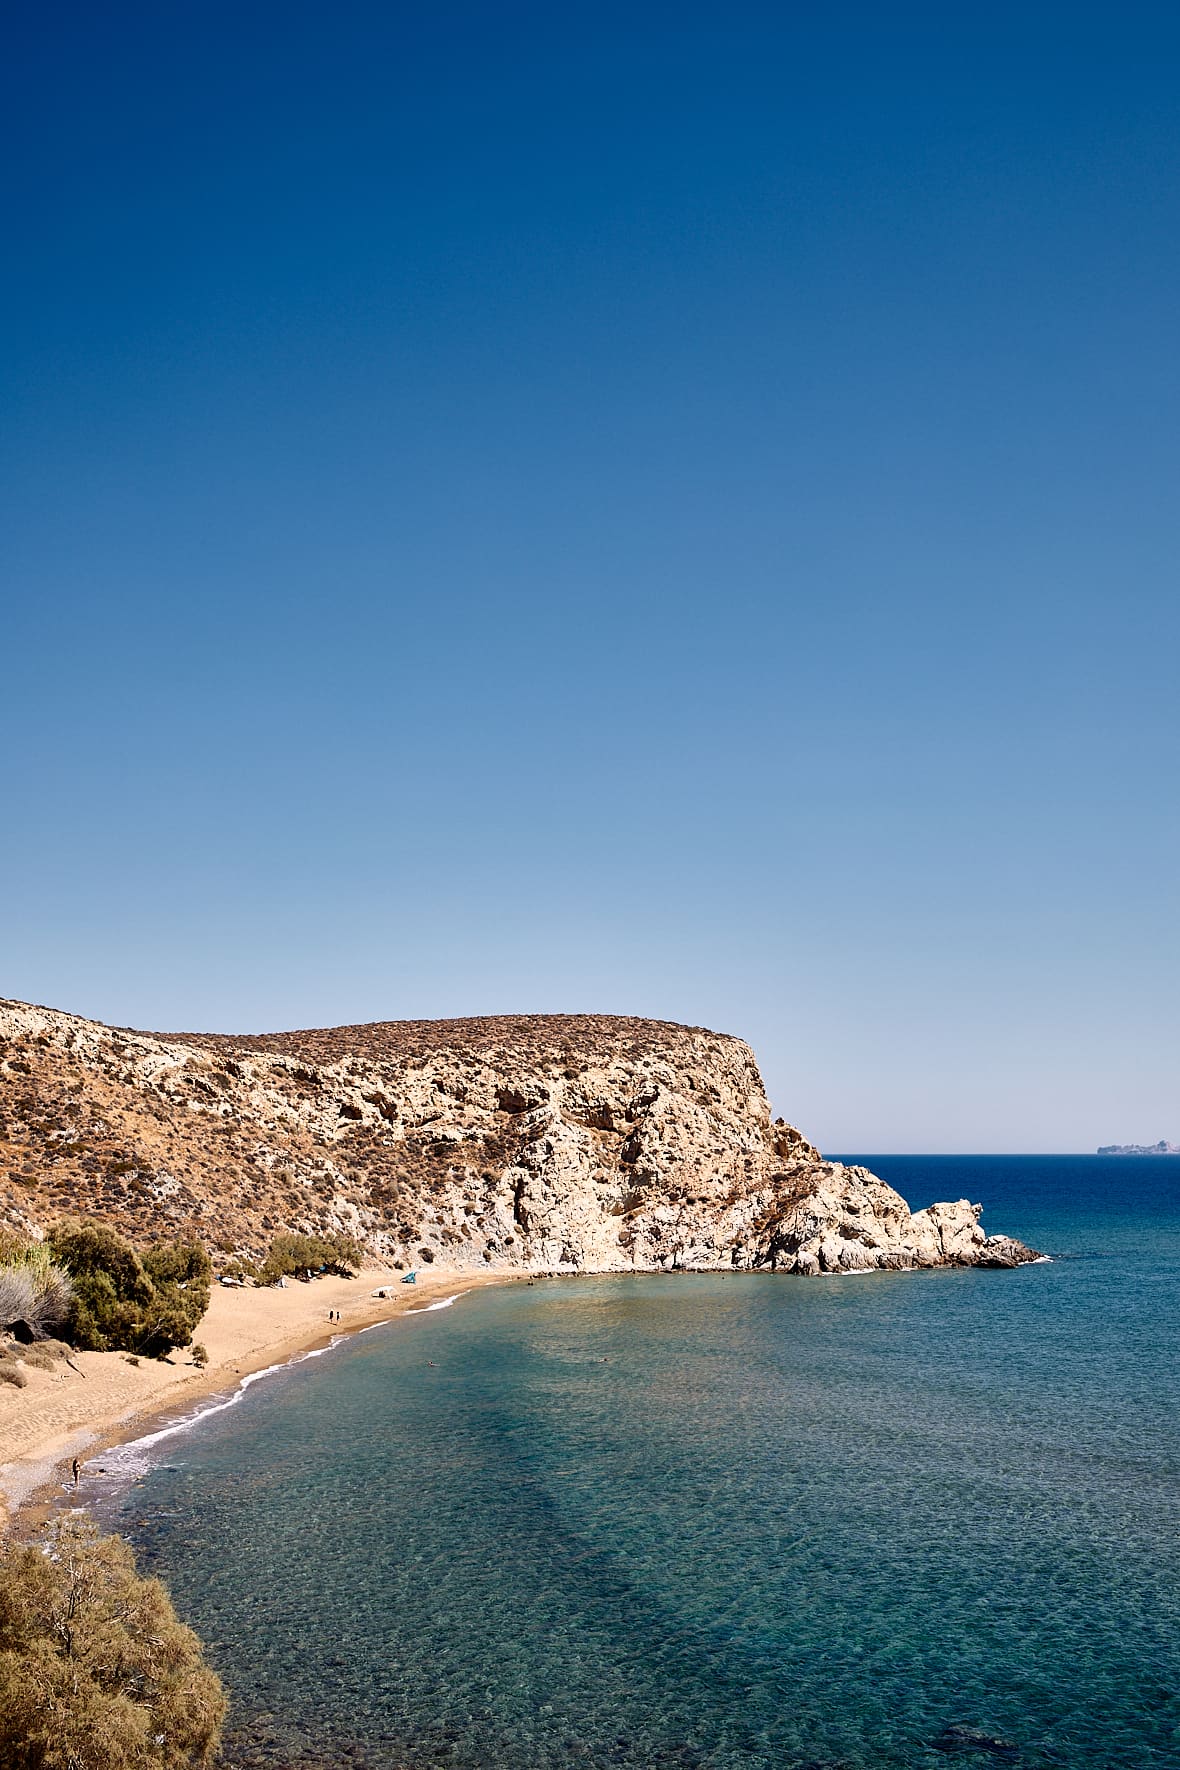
{"x":1160,"y":1148}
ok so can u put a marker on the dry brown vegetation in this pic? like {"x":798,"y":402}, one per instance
{"x":96,"y":1672}
{"x":530,"y":1039}
{"x":404,"y":1134}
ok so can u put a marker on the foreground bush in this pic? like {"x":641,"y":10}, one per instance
{"x":96,"y":1672}
{"x":125,"y":1302}
{"x":35,"y":1293}
{"x":310,"y":1253}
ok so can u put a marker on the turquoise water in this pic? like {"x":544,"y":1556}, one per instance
{"x":719,"y":1521}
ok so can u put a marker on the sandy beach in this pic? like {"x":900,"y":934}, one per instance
{"x":66,"y":1413}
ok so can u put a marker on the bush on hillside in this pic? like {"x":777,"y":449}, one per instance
{"x":296,"y":1254}
{"x":239,"y":1267}
{"x":96,"y":1672}
{"x":13,"y":1246}
{"x":125,"y":1302}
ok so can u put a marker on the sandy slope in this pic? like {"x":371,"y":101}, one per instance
{"x":66,"y":1413}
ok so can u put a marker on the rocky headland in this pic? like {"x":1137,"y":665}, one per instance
{"x":580,"y":1143}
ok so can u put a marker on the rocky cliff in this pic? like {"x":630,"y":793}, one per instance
{"x":572,"y":1142}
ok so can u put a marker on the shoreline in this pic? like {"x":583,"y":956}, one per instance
{"x":107,"y":1401}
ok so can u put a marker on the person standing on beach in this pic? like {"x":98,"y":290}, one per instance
{"x":77,"y":1468}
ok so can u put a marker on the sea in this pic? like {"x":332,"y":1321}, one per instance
{"x":895,"y":1521}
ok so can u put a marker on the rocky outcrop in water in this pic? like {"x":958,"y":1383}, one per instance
{"x":567,"y":1142}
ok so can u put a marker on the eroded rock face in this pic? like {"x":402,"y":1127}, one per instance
{"x":570,"y":1142}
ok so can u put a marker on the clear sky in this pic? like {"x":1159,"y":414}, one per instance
{"x":667,"y":510}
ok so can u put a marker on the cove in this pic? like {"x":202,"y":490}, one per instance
{"x":741,"y":1521}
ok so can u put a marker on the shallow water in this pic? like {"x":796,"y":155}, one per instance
{"x":719,"y":1521}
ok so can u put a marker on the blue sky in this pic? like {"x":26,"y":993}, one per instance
{"x":658,"y":510}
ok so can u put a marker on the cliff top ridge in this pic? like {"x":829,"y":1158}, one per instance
{"x":537,"y":1037}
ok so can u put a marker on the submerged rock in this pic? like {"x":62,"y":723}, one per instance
{"x":960,"y":1738}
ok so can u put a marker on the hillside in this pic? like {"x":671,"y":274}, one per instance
{"x":574,"y":1142}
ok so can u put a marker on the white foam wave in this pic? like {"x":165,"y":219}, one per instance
{"x":132,"y":1458}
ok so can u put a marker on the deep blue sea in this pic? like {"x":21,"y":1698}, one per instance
{"x":724,"y":1522}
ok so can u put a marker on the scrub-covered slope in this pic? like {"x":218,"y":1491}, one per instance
{"x":584,"y":1142}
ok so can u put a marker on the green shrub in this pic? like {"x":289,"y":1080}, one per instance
{"x":339,"y":1254}
{"x":111,"y":1288}
{"x":124,"y":1302}
{"x":182,"y":1277}
{"x":96,"y":1672}
{"x":239,"y":1267}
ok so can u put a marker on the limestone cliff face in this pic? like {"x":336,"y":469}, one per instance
{"x":568,"y":1142}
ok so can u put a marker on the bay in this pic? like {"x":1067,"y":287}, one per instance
{"x":723,"y":1521}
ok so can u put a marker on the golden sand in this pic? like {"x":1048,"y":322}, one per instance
{"x":75,"y":1412}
